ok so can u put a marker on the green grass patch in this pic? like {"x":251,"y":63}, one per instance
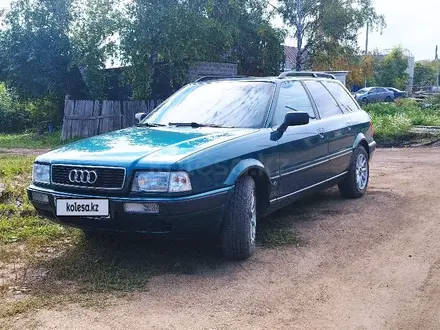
{"x":30,"y":141}
{"x":19,"y":221}
{"x":276,"y":237}
{"x":393,"y":121}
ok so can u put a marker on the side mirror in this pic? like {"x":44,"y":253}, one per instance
{"x":140,"y":116}
{"x":294,"y":119}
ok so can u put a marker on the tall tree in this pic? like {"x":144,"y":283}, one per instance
{"x":327,"y":28}
{"x":391,"y":70}
{"x":94,"y":36}
{"x":36,"y":52}
{"x":425,"y":74}
{"x":182,"y":32}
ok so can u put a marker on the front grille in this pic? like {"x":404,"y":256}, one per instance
{"x":107,"y":177}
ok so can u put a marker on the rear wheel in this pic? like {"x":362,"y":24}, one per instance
{"x":240,"y":223}
{"x":355,"y":184}
{"x":388,"y":99}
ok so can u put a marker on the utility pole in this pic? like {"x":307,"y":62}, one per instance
{"x":437,"y":65}
{"x":299,"y":35}
{"x":366,"y":52}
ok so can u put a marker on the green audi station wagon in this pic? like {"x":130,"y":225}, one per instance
{"x":211,"y":160}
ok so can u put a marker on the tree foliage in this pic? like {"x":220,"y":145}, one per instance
{"x":93,"y":35}
{"x":59,"y":47}
{"x":36,"y":53}
{"x":327,"y":29}
{"x":391,"y":70}
{"x":425,"y":74}
{"x":181,"y":33}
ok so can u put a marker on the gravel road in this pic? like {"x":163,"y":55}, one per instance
{"x":372,"y":263}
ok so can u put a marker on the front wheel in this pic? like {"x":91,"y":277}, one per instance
{"x":355,"y":184}
{"x":388,"y":99}
{"x":240,"y":223}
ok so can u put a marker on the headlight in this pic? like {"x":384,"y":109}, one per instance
{"x":41,"y":174}
{"x":162,"y":182}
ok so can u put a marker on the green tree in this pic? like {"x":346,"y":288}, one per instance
{"x":391,"y":71}
{"x":326,"y":29}
{"x":35,"y":50}
{"x":181,"y":33}
{"x":425,"y":74}
{"x":93,"y":35}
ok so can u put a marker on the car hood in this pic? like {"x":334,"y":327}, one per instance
{"x":141,"y":146}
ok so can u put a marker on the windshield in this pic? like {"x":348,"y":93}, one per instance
{"x":241,"y":104}
{"x":363,"y":90}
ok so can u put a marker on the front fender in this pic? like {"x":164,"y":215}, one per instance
{"x":244,"y":166}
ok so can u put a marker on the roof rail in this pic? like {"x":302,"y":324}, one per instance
{"x":306,"y":74}
{"x":210,"y":78}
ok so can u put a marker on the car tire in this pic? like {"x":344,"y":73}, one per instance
{"x":388,"y":99}
{"x":355,"y":183}
{"x":238,"y":233}
{"x":365,"y":101}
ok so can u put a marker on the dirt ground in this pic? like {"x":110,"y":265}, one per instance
{"x":23,"y":152}
{"x":372,"y":263}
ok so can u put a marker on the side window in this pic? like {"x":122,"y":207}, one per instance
{"x":293,"y":95}
{"x":342,"y":96}
{"x":374,"y":90}
{"x":325,"y":102}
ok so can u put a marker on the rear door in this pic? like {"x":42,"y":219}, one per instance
{"x":381,"y":94}
{"x":302,"y":149}
{"x":373,"y":95}
{"x":349,"y":108}
{"x":337,"y":126}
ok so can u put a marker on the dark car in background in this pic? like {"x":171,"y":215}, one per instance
{"x":374,"y":94}
{"x":398,"y":94}
{"x":211,"y":160}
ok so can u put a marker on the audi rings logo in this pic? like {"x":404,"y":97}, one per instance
{"x":83,"y":176}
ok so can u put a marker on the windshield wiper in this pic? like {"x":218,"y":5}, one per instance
{"x":150,"y":125}
{"x":197,"y":125}
{"x":293,"y":109}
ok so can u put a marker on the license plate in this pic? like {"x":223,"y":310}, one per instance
{"x":83,"y":208}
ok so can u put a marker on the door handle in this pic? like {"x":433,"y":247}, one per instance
{"x":321,"y":133}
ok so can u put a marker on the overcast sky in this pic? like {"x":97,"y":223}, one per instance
{"x":411,"y":24}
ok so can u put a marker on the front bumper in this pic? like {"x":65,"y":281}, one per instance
{"x":194,"y":217}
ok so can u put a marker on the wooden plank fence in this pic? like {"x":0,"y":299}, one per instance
{"x":90,"y":118}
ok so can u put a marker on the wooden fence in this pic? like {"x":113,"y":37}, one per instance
{"x":90,"y":118}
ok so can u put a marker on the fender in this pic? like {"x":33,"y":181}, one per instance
{"x":359,"y":139}
{"x":244,"y":166}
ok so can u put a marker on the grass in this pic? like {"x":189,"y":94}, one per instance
{"x":393,"y":121}
{"x":30,"y":141}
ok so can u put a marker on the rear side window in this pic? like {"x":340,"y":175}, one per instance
{"x":342,"y":96}
{"x":292,"y":95}
{"x":325,"y":102}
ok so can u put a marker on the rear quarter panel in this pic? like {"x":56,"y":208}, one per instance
{"x":361,"y":126}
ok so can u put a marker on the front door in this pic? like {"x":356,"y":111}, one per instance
{"x":301,"y":149}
